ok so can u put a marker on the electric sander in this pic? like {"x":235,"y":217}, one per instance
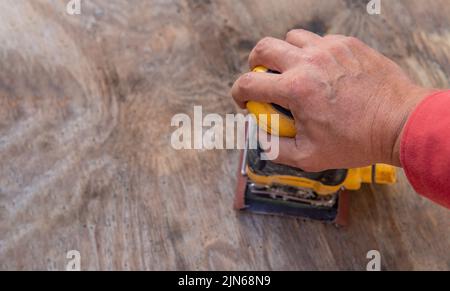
{"x":268,"y":188}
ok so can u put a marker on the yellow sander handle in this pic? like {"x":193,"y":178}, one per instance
{"x":384,"y":174}
{"x":286,"y":127}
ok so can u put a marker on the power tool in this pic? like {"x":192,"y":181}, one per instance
{"x":268,"y":188}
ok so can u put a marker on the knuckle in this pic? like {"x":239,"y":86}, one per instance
{"x":292,"y":33}
{"x":295,"y":85}
{"x":335,"y":41}
{"x":337,"y":48}
{"x":263,"y":45}
{"x":352,"y":41}
{"x":302,"y":85}
{"x":316,"y":57}
{"x":245,"y":82}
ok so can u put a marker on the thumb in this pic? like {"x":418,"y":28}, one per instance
{"x":278,"y":149}
{"x":298,"y":153}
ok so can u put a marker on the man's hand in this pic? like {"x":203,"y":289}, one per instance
{"x":350,"y":103}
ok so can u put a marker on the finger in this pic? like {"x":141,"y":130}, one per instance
{"x":297,"y":153}
{"x":261,"y":87}
{"x":272,"y":53}
{"x":287,"y":152}
{"x":302,"y":38}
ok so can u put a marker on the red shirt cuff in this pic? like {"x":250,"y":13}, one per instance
{"x":425,"y":148}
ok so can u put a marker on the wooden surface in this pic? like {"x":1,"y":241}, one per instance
{"x":86,"y":164}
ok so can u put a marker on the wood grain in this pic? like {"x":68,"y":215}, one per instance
{"x":86,"y":163}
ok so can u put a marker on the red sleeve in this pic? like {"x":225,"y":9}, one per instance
{"x":425,"y":148}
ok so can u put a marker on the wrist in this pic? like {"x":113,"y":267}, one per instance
{"x":412,"y":99}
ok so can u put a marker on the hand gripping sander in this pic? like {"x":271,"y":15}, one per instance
{"x":268,"y":188}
